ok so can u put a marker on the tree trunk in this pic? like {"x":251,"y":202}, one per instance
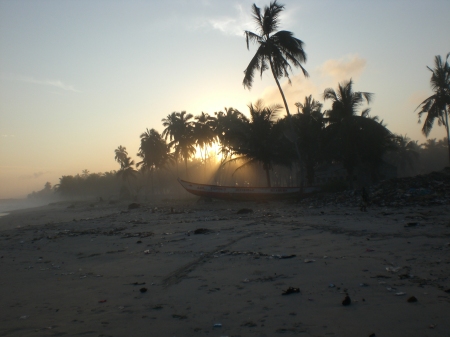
{"x":310,"y":173}
{"x":151,"y":178}
{"x":185,"y":164}
{"x":302,"y":178}
{"x":268,"y":177}
{"x":448,"y":133}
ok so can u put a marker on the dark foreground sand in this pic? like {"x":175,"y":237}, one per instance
{"x":79,"y":271}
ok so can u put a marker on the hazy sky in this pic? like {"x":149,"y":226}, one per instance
{"x":79,"y":78}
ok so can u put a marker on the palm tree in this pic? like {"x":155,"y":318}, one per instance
{"x":277,"y":50}
{"x":121,"y":155}
{"x":85,"y":173}
{"x":154,"y":152}
{"x":438,"y":105}
{"x":405,"y":155}
{"x":345,"y":101}
{"x":204,"y":134}
{"x":350,"y":138}
{"x":127,"y":171}
{"x":180,"y":131}
{"x":309,"y":123}
{"x":261,"y":140}
{"x":228,"y":124}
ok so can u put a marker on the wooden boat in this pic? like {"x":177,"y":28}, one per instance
{"x":241,"y":193}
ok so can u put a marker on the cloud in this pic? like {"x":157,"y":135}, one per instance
{"x":233,"y":25}
{"x":243,"y":20}
{"x":325,"y":76}
{"x":53,"y":83}
{"x":350,"y":66}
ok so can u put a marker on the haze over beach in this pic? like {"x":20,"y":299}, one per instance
{"x":224,"y":168}
{"x":79,"y":78}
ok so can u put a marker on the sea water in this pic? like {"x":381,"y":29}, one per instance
{"x":8,"y":205}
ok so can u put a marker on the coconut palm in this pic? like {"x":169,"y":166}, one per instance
{"x":437,"y":106}
{"x":261,"y":140}
{"x":154,"y":152}
{"x":127,"y":172}
{"x":204,"y":134}
{"x":180,"y":131}
{"x":345,"y":101}
{"x":405,"y":155}
{"x":309,"y":123}
{"x":277,"y":49}
{"x":228,"y":125}
{"x":354,"y":139}
{"x":121,"y":154}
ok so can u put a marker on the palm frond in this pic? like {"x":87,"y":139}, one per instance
{"x":257,"y":16}
{"x":256,"y":63}
{"x":270,"y":21}
{"x":250,"y":36}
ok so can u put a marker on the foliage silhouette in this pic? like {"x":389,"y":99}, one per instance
{"x":180,"y":130}
{"x":356,"y":141}
{"x":261,"y":140}
{"x":154,"y":153}
{"x":437,"y":106}
{"x":277,"y":50}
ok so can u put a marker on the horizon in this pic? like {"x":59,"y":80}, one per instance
{"x":78,"y":79}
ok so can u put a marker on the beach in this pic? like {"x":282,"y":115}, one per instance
{"x":182,"y":267}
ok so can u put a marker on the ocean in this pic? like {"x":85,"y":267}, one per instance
{"x":8,"y":205}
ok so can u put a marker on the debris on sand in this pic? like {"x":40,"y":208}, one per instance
{"x":424,"y":190}
{"x":134,"y":205}
{"x":284,"y":256}
{"x":347,"y":301}
{"x":412,"y":299}
{"x":203,"y":231}
{"x":291,"y":290}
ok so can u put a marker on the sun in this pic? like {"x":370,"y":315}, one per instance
{"x":212,"y":152}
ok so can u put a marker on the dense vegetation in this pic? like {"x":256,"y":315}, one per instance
{"x":262,"y":148}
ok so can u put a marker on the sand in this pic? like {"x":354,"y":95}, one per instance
{"x":99,"y":269}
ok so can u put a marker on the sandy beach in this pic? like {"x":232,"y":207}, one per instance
{"x":186,"y":268}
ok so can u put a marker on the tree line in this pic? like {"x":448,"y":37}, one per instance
{"x":288,"y":150}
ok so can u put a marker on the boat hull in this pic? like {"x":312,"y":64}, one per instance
{"x":240,"y":193}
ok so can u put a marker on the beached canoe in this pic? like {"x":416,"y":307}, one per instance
{"x":240,"y":193}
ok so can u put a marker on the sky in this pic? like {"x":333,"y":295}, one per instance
{"x":79,"y":78}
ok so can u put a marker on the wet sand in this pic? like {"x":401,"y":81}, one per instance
{"x":96,"y":269}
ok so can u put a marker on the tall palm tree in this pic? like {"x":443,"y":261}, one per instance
{"x":277,"y":50}
{"x":309,"y":124}
{"x":228,"y":124}
{"x":438,"y":105}
{"x":127,"y":171}
{"x":180,"y":131}
{"x":204,"y":134}
{"x":85,"y":173}
{"x":261,"y":140}
{"x":351,"y":138}
{"x":345,"y":101}
{"x":154,"y":152}
{"x":121,"y":155}
{"x":405,"y":155}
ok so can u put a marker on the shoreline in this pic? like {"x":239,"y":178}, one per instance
{"x":83,"y":270}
